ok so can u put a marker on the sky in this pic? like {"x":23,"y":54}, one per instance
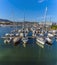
{"x":33,"y":10}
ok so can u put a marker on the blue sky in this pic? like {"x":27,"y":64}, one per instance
{"x":34,"y":10}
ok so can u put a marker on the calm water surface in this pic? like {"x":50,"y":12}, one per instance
{"x":31,"y":55}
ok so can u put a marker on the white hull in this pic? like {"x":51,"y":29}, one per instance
{"x":42,"y":46}
{"x":21,"y":34}
{"x":40,"y":40}
{"x":48,"y":40}
{"x":8,"y":40}
{"x":50,"y":35}
{"x":16,"y":40}
{"x":24,"y":40}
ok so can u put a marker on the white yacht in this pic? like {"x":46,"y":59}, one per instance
{"x":16,"y":40}
{"x":19,"y":30}
{"x":41,"y":34}
{"x":42,"y":46}
{"x":40,"y":40}
{"x":33,"y":34}
{"x":24,"y":40}
{"x":11,"y":35}
{"x":27,"y":30}
{"x":8,"y":40}
{"x":8,"y":37}
{"x":17,"y":34}
{"x":21,"y":34}
{"x":50,"y":35}
{"x":7,"y":34}
{"x":48,"y":40}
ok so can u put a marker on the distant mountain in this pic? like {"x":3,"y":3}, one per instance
{"x":5,"y":20}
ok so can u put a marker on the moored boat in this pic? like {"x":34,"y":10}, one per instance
{"x":24,"y":40}
{"x":40,"y":40}
{"x":49,"y":40}
{"x":16,"y":40}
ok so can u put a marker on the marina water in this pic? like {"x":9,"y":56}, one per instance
{"x":32,"y":54}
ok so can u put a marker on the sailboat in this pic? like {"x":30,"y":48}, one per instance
{"x":40,"y":39}
{"x":50,"y":35}
{"x":48,"y":40}
{"x":24,"y":38}
{"x":8,"y":37}
{"x":8,"y":40}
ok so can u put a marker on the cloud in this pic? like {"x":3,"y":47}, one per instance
{"x":41,"y":1}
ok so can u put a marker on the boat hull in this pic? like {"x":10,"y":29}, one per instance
{"x":40,"y":42}
{"x":48,"y":42}
{"x":16,"y":41}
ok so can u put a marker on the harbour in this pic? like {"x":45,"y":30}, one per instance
{"x":40,"y":35}
{"x":32,"y":53}
{"x":28,"y":32}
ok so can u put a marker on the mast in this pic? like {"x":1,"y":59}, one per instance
{"x":13,"y":19}
{"x":45,"y":18}
{"x":23,"y":26}
{"x":24,"y":21}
